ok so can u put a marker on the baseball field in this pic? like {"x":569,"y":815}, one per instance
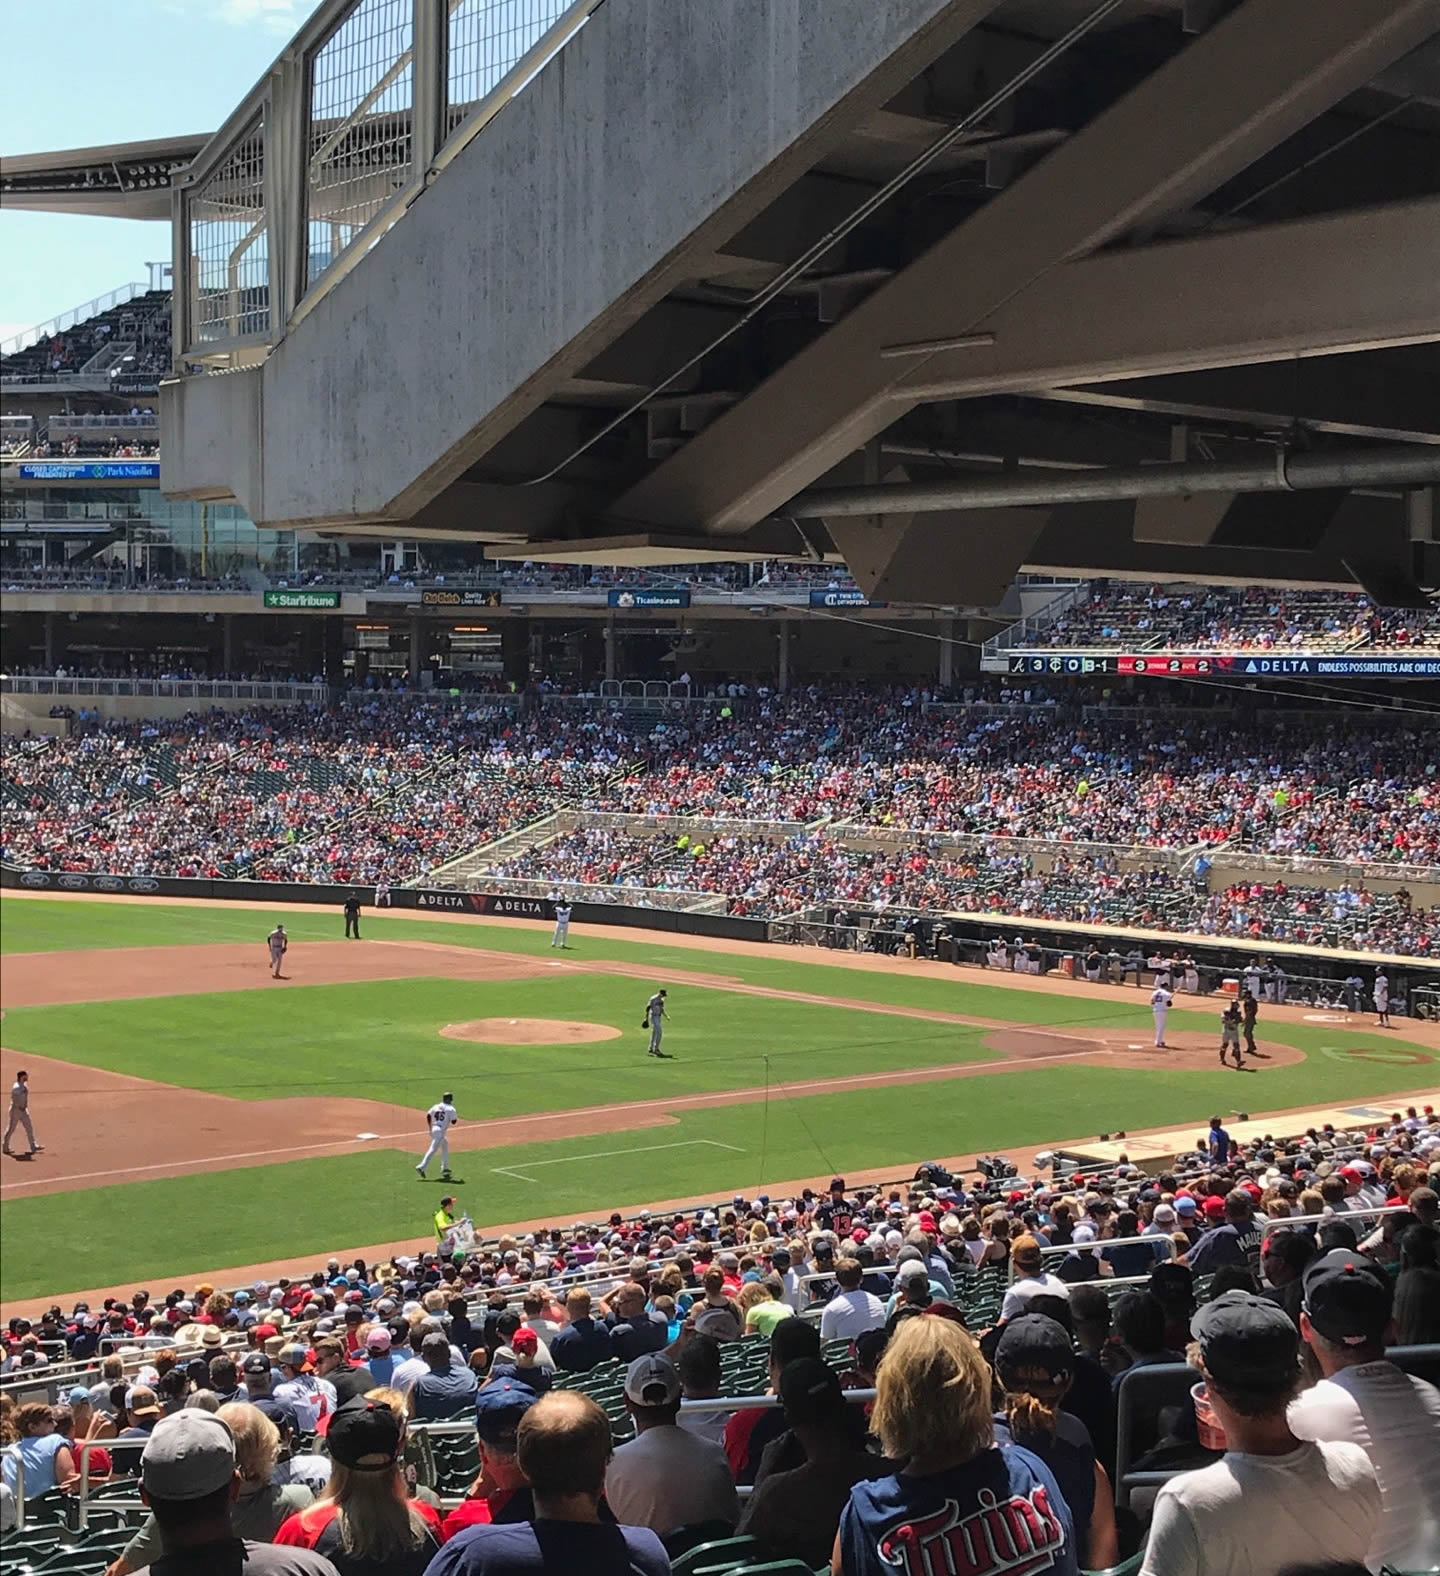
{"x":201,"y":1117}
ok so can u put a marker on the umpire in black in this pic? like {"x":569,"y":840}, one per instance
{"x":352,"y":916}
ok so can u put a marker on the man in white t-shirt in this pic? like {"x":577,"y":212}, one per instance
{"x":852,"y":1310}
{"x":666,"y":1477}
{"x":1393,"y":1417}
{"x":1273,"y":1500}
{"x":1031,"y":1279}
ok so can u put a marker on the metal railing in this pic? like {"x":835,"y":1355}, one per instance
{"x":167,"y":689}
{"x":372,"y":99}
{"x":96,"y":419}
{"x":77,"y":314}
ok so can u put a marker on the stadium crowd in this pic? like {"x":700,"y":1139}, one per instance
{"x":996,"y":1317}
{"x":392,"y":786}
{"x":1125,"y":615}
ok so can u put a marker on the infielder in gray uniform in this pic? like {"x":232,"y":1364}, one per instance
{"x":278,"y":942}
{"x":655,"y":1021}
{"x":20,"y":1116}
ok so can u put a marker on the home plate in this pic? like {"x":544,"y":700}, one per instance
{"x":367,"y":1135}
{"x":1134,"y":1047}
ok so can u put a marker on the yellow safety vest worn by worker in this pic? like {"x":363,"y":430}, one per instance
{"x":443,"y":1222}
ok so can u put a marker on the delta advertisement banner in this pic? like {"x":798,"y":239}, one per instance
{"x":1218,"y":665}
{"x":480,"y":905}
{"x":90,"y":471}
{"x":650,"y":596}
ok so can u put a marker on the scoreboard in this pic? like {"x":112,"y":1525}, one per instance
{"x":1220,"y":665}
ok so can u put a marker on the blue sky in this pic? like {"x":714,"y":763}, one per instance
{"x":83,"y":72}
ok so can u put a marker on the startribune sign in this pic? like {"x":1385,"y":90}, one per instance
{"x":302,"y":599}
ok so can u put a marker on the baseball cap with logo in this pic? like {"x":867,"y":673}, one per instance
{"x":1347,"y":1298}
{"x":1246,"y":1340}
{"x":188,"y":1456}
{"x":378,"y":1341}
{"x":524,"y":1340}
{"x":256,"y":1363}
{"x":652,"y":1380}
{"x":499,"y":1406}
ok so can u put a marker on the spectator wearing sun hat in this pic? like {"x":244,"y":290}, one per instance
{"x":1393,"y":1416}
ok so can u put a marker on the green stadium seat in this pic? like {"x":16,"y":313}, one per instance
{"x":775,"y":1568}
{"x":715,"y":1559}
{"x":1128,"y":1567}
{"x":685,"y":1538}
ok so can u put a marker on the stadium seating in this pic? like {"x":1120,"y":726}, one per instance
{"x":855,"y":810}
{"x":136,"y":333}
{"x":1119,"y":615}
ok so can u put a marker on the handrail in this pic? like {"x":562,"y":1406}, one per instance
{"x":166,"y":689}
{"x":1155,"y":1239}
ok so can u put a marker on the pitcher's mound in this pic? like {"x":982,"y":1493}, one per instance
{"x":529,"y":1031}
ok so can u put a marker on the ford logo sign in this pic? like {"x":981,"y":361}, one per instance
{"x":109,"y":884}
{"x":35,"y":878}
{"x":73,"y":882}
{"x":143,"y":884}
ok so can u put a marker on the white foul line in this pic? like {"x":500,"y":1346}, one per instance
{"x":607,"y":1154}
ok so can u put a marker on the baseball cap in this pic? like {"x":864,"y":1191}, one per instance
{"x":1034,"y":1343}
{"x":1245,"y":1339}
{"x":1164,"y":1215}
{"x":1025,"y":1250}
{"x":141,"y":1401}
{"x":1347,"y":1298}
{"x":1214,"y":1208}
{"x":499,"y":1406}
{"x":292,"y":1356}
{"x":435,"y":1345}
{"x":837,"y":1182}
{"x":188,"y":1456}
{"x":78,"y":1395}
{"x":1185,"y":1205}
{"x":651,"y":1380}
{"x":524,"y":1340}
{"x":256,"y":1363}
{"x":1082,"y":1234}
{"x":365,"y":1435}
{"x":810,"y":1391}
{"x":378,"y":1341}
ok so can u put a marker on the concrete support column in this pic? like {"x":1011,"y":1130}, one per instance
{"x":49,"y":621}
{"x":783,"y":675}
{"x":227,"y":642}
{"x":947,"y":653}
{"x":610,"y":647}
{"x":414,"y":664}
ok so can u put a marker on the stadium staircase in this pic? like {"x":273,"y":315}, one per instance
{"x":462,"y":871}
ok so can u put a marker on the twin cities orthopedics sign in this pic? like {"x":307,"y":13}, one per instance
{"x":845,"y":596}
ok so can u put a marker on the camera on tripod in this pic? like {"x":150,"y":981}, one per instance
{"x":996,"y":1167}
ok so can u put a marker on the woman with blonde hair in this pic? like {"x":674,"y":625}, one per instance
{"x":260,"y":1507}
{"x":957,"y":1499}
{"x":363,"y":1523}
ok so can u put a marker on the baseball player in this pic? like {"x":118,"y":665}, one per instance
{"x":1381,"y":996}
{"x":352,"y":916}
{"x":278,"y":943}
{"x":1249,"y":1011}
{"x":1160,"y":1000}
{"x":561,"y":938}
{"x":440,"y":1118}
{"x":1230,"y":1032}
{"x":655,"y":1020}
{"x":382,"y":893}
{"x":20,"y":1116}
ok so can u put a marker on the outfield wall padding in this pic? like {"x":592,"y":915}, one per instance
{"x":487,"y":905}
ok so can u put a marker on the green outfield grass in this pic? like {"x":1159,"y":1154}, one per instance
{"x":379,"y":1040}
